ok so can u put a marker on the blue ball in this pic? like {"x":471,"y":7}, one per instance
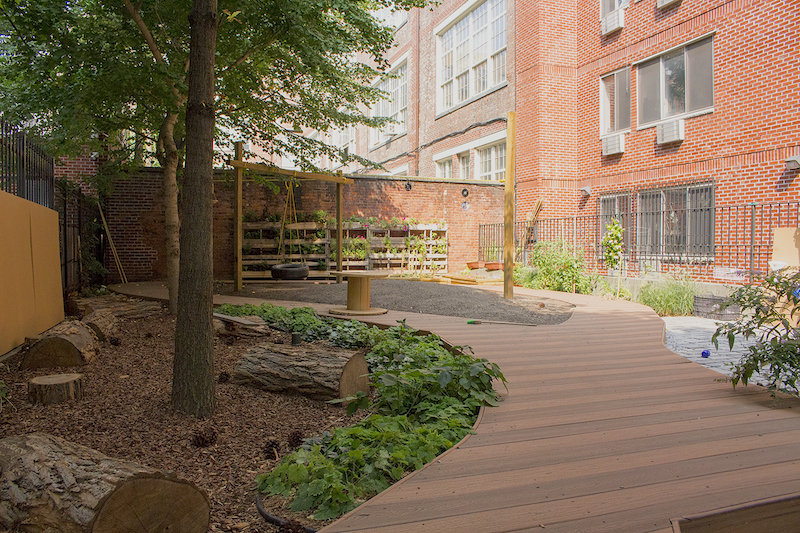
{"x":705,"y":354}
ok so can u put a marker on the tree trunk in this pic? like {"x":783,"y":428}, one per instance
{"x":70,"y":343}
{"x":169,"y":187}
{"x":193,"y":371}
{"x":103,"y":323}
{"x":56,"y":388}
{"x":317,"y":371}
{"x":49,"y":484}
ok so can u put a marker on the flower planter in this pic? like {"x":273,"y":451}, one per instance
{"x":494,"y":265}
{"x":475,"y":264}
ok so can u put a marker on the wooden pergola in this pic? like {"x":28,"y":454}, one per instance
{"x":240,"y":165}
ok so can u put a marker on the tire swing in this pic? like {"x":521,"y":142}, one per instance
{"x":289,"y":271}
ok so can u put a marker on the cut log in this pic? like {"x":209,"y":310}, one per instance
{"x":70,"y":343}
{"x":318,"y":371}
{"x":103,"y":323}
{"x":49,"y":484}
{"x":56,"y":388}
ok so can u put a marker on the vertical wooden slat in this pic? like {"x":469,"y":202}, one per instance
{"x":238,"y":232}
{"x":339,"y":232}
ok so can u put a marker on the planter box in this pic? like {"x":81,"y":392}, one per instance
{"x":475,"y":264}
{"x":494,"y":265}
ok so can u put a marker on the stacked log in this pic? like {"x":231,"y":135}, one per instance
{"x":318,"y":371}
{"x":103,"y":323}
{"x":70,"y":343}
{"x":50,"y":484}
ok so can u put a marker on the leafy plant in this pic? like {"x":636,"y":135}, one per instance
{"x":559,"y":267}
{"x":673,"y":297}
{"x":769,"y":312}
{"x":612,"y":243}
{"x":426,"y":399}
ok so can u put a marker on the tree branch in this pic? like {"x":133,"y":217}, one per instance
{"x":145,"y":31}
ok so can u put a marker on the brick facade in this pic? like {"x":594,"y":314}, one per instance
{"x":136,"y":217}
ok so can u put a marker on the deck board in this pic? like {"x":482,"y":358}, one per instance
{"x":602,"y":429}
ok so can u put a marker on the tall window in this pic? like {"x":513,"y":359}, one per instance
{"x":344,"y":139}
{"x":615,"y":102}
{"x":472,"y":54}
{"x":492,"y":162}
{"x":677,"y":221}
{"x":608,"y":6}
{"x":677,"y":83}
{"x":394,"y":106}
{"x":444,"y":169}
{"x":463,"y":166}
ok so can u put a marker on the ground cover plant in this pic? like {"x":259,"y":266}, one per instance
{"x":426,"y":397}
{"x":770,"y":313}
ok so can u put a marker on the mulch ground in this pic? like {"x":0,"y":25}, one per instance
{"x":125,"y":413}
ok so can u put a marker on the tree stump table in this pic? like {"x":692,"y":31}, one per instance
{"x":358,"y":285}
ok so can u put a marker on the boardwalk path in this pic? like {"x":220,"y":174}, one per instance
{"x":603,"y":430}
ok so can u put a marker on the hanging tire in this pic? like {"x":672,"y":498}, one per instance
{"x":289,"y":271}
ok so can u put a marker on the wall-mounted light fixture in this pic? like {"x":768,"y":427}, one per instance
{"x":793,"y":163}
{"x":464,"y":193}
{"x":408,"y":185}
{"x":586,"y":191}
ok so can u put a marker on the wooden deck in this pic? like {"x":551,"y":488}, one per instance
{"x":603,"y":430}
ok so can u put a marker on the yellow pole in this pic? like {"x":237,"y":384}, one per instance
{"x":508,"y":245}
{"x":238,"y":233}
{"x":339,"y":232}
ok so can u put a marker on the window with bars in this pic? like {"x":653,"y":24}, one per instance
{"x":677,"y":83}
{"x":472,"y":54}
{"x":678,"y":221}
{"x":394,"y":106}
{"x":492,"y":162}
{"x":615,"y":207}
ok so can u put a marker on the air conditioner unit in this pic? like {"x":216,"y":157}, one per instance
{"x":669,"y":132}
{"x":612,"y":22}
{"x":666,"y":3}
{"x":613,"y":144}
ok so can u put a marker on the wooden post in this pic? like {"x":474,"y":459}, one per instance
{"x":508,"y":246}
{"x":238,"y":233}
{"x":339,"y":232}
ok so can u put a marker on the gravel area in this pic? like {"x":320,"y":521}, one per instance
{"x":418,"y":297}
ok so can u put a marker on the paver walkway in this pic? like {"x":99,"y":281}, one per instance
{"x":603,"y":429}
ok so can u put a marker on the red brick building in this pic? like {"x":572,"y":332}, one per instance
{"x":661,"y":113}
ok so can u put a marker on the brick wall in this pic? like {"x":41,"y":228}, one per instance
{"x":77,"y":169}
{"x":136,"y":218}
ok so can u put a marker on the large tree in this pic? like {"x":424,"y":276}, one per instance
{"x":83,"y":72}
{"x":112,"y":76}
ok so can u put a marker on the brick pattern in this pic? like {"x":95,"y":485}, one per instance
{"x":76,"y":170}
{"x":136,"y":216}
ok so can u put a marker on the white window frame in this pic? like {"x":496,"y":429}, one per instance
{"x":464,"y":161}
{"x":471,"y":52}
{"x":620,"y":103}
{"x":444,"y":169}
{"x":397,"y":87}
{"x":688,"y":112}
{"x":490,"y":162}
{"x":618,"y":4}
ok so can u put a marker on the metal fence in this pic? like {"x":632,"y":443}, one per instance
{"x":25,"y":169}
{"x":722,"y":244}
{"x":80,"y":238}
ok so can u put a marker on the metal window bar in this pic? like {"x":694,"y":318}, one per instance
{"x":706,"y":243}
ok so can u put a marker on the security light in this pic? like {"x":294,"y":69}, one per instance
{"x":586,"y":191}
{"x":793,"y":163}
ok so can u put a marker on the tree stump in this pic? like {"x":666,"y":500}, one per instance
{"x":103,"y":323}
{"x":70,"y":343}
{"x":56,"y":388}
{"x":318,"y":371}
{"x":48,"y":482}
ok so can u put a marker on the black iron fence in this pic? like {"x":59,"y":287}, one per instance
{"x":25,"y":169}
{"x":723,"y":244}
{"x":80,"y":238}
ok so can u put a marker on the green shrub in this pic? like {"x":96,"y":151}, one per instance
{"x":559,"y":267}
{"x":769,"y":312}
{"x":673,"y":297}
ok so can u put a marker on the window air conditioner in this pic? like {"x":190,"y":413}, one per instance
{"x":669,"y":132}
{"x":613,"y":144}
{"x":665,"y":3}
{"x":613,"y":21}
